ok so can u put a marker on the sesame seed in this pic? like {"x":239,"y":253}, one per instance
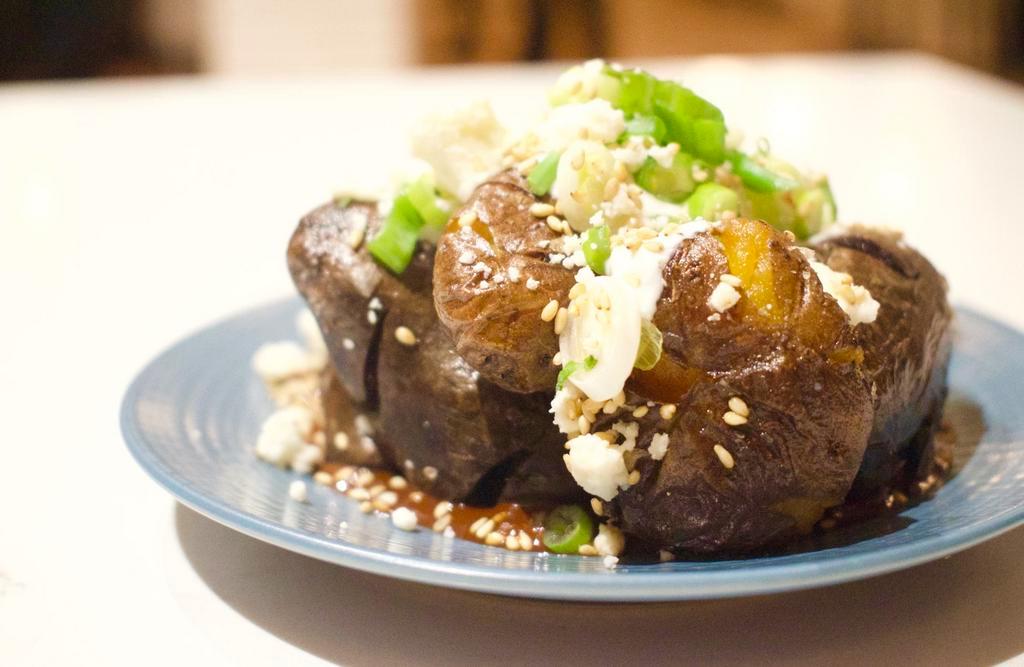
{"x":527,"y":165}
{"x":405,"y":336}
{"x":634,"y":477}
{"x":578,"y":160}
{"x":597,"y":506}
{"x":388,"y":498}
{"x":609,"y":407}
{"x":621,"y":172}
{"x":584,"y":424}
{"x":376,"y":490}
{"x":404,"y":519}
{"x":554,"y":223}
{"x":416,"y":496}
{"x":322,"y":477}
{"x":442,"y":508}
{"x":397,"y":483}
{"x":541,"y":210}
{"x":467,"y":218}
{"x":550,"y":311}
{"x":739,"y":406}
{"x":359,"y":493}
{"x":733,"y":419}
{"x":725,"y":457}
{"x":297,"y":491}
{"x":532,"y":284}
{"x":525,"y":542}
{"x":557,"y":359}
{"x":512,"y":542}
{"x":730,"y":279}
{"x":666,"y":556}
{"x":371,"y":316}
{"x":576,"y":290}
{"x":610,"y":187}
{"x":476,"y":524}
{"x":641,"y":411}
{"x":364,"y":476}
{"x":441,"y":523}
{"x":430,"y":472}
{"x":587,"y":550}
{"x":355,"y":238}
{"x":366,"y":507}
{"x":493,"y":538}
{"x":485,"y":528}
{"x":667,"y":411}
{"x":561,"y":319}
{"x":348,"y":344}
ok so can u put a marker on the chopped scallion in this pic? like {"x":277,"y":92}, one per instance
{"x":597,"y":247}
{"x":543,"y":175}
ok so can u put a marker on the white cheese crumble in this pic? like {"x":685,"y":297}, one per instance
{"x":564,"y":124}
{"x":723,"y":297}
{"x":563,"y":407}
{"x":659,"y":446}
{"x":609,"y":541}
{"x":632,"y":153}
{"x":610,"y":561}
{"x":283,"y":435}
{"x":404,"y":518}
{"x":297,"y":491}
{"x":467,"y":257}
{"x":597,"y":466}
{"x":307,"y":458}
{"x":464,"y":146}
{"x":856,"y":301}
{"x":532,"y":284}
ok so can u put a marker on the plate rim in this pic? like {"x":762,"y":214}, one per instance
{"x":625,"y":583}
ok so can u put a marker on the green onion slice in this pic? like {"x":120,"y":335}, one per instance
{"x":571,"y":367}
{"x":756,"y":176}
{"x":673,"y":183}
{"x":649,"y":352}
{"x":597,"y":247}
{"x":567,"y":528}
{"x":645,"y":125}
{"x":710,"y":200}
{"x":423,"y":196}
{"x":395,"y":243}
{"x":542,"y":177}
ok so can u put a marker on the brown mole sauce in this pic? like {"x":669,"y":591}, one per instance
{"x":508,"y":518}
{"x":514,"y":519}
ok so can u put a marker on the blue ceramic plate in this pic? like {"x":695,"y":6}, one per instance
{"x":191,"y":418}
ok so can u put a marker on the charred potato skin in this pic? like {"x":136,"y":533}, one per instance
{"x":338,"y":278}
{"x":497,"y":327}
{"x":906,"y":350}
{"x":809,"y":402}
{"x":425,"y":403}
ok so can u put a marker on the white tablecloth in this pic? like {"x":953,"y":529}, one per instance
{"x":133,"y":212}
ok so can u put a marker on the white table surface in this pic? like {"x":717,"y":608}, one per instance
{"x":132,"y":213}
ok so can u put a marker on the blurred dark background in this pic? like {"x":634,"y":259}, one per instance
{"x":60,"y":39}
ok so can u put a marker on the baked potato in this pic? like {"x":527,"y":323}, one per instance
{"x":428,"y":412}
{"x":906,"y":350}
{"x":785,"y":350}
{"x":493,"y":277}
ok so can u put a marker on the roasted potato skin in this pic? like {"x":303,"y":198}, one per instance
{"x":338,"y":278}
{"x":906,"y":349}
{"x":340,"y":417}
{"x":495,"y":322}
{"x":809,"y":403}
{"x":429,"y":409}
